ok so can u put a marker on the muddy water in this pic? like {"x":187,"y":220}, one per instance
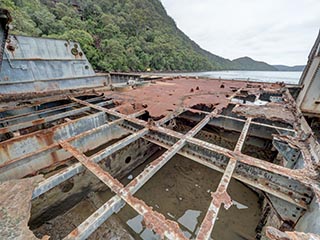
{"x":181,"y":191}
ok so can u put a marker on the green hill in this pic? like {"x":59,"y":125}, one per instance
{"x":297,"y":68}
{"x":246,"y":63}
{"x":119,"y":35}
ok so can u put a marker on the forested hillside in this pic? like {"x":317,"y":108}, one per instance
{"x":246,"y":63}
{"x":297,"y":68}
{"x":116,"y":35}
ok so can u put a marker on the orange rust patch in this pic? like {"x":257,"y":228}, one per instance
{"x":165,"y":96}
{"x":38,"y":121}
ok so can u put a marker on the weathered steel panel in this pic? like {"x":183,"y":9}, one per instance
{"x":30,"y":59}
{"x":309,"y":97}
{"x":40,"y":65}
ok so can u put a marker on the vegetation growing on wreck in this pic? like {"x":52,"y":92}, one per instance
{"x":131,"y":35}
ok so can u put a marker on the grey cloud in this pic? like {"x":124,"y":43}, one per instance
{"x":275,"y":31}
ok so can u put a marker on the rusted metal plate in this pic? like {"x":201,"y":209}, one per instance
{"x":275,"y":234}
{"x":15,"y":197}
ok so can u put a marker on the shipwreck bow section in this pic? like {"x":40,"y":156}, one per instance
{"x":84,"y":131}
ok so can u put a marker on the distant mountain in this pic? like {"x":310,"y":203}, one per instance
{"x":246,"y":63}
{"x":297,"y":68}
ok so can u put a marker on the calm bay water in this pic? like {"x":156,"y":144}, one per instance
{"x":259,"y":76}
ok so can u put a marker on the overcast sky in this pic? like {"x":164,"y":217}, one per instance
{"x":274,"y":31}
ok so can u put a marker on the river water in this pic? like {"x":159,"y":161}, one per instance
{"x":259,"y":76}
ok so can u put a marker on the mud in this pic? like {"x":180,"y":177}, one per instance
{"x":181,"y":192}
{"x":62,"y":225}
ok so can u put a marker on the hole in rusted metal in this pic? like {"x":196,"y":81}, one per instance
{"x":128,"y":160}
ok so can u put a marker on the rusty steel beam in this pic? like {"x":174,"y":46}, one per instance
{"x":170,"y":116}
{"x":110,"y":112}
{"x":42,"y":133}
{"x":277,"y":180}
{"x":220,"y":196}
{"x":153,"y":220}
{"x":243,"y":135}
{"x":77,"y":168}
{"x":138,"y":114}
{"x":274,"y":127}
{"x":275,"y":234}
{"x":36,"y":114}
{"x":95,"y":220}
{"x":289,"y":173}
{"x":51,"y":148}
{"x":259,"y":124}
{"x":157,"y":164}
{"x":15,"y":127}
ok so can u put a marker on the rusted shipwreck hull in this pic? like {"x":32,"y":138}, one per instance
{"x":67,"y":133}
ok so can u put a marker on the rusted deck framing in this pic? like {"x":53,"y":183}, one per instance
{"x":103,"y":212}
{"x":287,"y":194}
{"x":175,"y":142}
{"x":264,"y":168}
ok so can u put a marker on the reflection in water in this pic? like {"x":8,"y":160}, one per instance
{"x":190,"y":219}
{"x":239,"y":205}
{"x":136,"y":225}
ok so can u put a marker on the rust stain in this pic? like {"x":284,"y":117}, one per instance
{"x":172,"y":93}
{"x":38,"y":121}
{"x":275,"y":234}
{"x":48,"y":138}
{"x":272,"y":111}
{"x":74,"y":233}
{"x":3,"y":130}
